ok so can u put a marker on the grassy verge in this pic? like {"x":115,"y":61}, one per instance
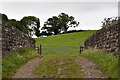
{"x":107,"y":63}
{"x":56,"y":66}
{"x":12,"y":63}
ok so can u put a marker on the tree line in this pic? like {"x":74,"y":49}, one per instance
{"x":30,"y":25}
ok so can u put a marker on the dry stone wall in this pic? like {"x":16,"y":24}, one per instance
{"x":106,"y":39}
{"x":13,"y":39}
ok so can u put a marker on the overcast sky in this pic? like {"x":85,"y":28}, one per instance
{"x":89,"y":14}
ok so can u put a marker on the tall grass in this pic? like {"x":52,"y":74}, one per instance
{"x":11,"y":63}
{"x":107,"y":63}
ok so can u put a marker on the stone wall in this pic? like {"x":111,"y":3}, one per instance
{"x":0,"y":40}
{"x":12,"y":39}
{"x":106,"y":39}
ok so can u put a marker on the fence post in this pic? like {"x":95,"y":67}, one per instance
{"x":34,"y":48}
{"x":80,"y":50}
{"x":40,"y":49}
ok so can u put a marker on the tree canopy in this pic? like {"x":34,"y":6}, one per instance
{"x":60,"y":23}
{"x":29,"y":25}
{"x":32,"y":24}
{"x":4,"y":17}
{"x":109,"y":21}
{"x":53,"y":25}
{"x":67,"y":21}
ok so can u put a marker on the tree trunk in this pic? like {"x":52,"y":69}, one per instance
{"x":65,"y":30}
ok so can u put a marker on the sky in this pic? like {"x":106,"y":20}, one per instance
{"x":89,"y":13}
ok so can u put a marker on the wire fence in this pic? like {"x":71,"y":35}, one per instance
{"x":59,"y":49}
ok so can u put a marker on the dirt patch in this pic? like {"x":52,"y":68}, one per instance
{"x":25,"y":71}
{"x":89,"y":68}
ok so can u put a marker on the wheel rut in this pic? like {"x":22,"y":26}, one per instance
{"x":89,"y":68}
{"x":25,"y":71}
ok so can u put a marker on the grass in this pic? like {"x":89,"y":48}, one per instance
{"x":56,"y":66}
{"x":107,"y":63}
{"x":11,"y":63}
{"x":76,"y":38}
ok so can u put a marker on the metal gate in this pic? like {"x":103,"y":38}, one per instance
{"x":59,"y":49}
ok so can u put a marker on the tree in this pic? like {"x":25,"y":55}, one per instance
{"x":67,"y":21}
{"x":12,"y":22}
{"x":109,"y":21}
{"x":4,"y":17}
{"x":32,"y":24}
{"x":60,"y":23}
{"x":18,"y":25}
{"x":52,"y":25}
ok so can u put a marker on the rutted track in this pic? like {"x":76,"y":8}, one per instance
{"x":25,"y":71}
{"x":88,"y":67}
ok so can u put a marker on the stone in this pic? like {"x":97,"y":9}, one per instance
{"x":107,"y":39}
{"x":13,"y":39}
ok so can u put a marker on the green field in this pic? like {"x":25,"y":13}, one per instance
{"x":76,"y":38}
{"x":73,"y":40}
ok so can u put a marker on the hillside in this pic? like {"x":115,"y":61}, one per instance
{"x":76,"y":38}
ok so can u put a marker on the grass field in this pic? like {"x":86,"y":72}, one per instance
{"x":75,"y":39}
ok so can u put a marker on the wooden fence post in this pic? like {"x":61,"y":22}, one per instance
{"x":80,"y":49}
{"x":40,"y":49}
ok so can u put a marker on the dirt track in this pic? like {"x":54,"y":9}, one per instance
{"x":88,"y":67}
{"x":25,"y":71}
